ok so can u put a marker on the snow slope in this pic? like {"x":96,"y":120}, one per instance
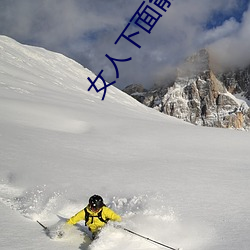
{"x":179,"y":184}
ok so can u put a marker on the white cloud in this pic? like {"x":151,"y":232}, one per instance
{"x":229,"y":27}
{"x":233,"y":50}
{"x":87,"y":29}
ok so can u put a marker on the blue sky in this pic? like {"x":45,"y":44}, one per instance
{"x":218,"y":17}
{"x":86,"y":30}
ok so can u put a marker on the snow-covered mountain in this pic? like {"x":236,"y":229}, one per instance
{"x":182,"y":185}
{"x":237,"y":81}
{"x":201,"y":96}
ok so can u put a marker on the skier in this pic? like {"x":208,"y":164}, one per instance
{"x":95,"y":214}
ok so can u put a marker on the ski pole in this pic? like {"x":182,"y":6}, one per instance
{"x":146,"y":238}
{"x":45,"y":228}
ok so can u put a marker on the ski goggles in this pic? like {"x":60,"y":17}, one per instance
{"x":94,"y":208}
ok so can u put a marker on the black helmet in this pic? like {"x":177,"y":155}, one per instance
{"x":96,"y":202}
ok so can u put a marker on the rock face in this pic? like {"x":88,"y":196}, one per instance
{"x":136,"y":90}
{"x":201,"y":97}
{"x":237,"y":81}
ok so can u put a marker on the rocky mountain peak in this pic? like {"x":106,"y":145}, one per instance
{"x":197,"y":64}
{"x":202,"y":97}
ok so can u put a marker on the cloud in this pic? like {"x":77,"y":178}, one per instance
{"x":233,"y":49}
{"x":226,"y":29}
{"x":86,"y":30}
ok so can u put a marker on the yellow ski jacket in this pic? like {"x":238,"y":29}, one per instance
{"x":94,"y":223}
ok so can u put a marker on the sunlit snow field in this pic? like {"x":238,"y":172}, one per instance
{"x":179,"y":184}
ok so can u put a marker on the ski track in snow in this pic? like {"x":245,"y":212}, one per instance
{"x":43,"y":117}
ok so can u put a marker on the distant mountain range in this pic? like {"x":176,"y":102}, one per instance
{"x":201,"y":94}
